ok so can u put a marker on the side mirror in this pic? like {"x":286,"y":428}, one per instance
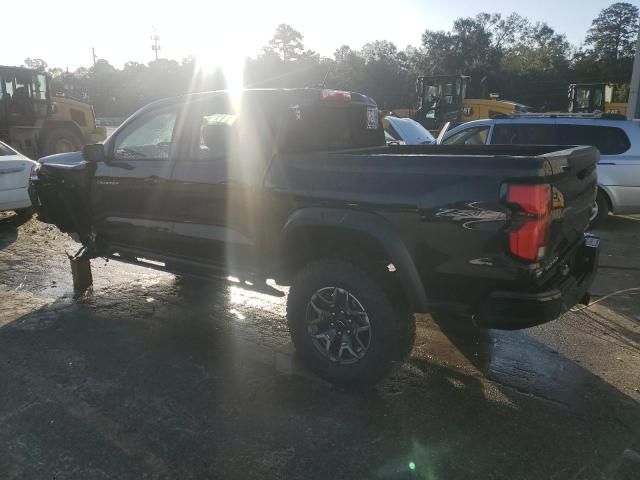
{"x":94,"y":153}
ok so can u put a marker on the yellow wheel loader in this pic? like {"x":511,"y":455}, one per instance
{"x":594,"y":97}
{"x":37,"y":123}
{"x":442,"y":99}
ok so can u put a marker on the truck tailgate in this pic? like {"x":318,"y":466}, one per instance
{"x":572,"y":175}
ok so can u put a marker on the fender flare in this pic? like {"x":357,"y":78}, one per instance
{"x":375,"y":227}
{"x":613,"y":201}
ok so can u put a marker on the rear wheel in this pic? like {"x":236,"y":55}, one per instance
{"x":600,"y":210}
{"x":344,"y":325}
{"x":60,"y":140}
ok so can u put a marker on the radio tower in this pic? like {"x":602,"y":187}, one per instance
{"x":155,"y":38}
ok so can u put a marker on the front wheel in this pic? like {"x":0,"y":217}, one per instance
{"x":344,"y":325}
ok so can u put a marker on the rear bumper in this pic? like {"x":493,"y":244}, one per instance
{"x":516,"y":310}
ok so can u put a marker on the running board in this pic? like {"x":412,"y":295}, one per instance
{"x":190,"y":268}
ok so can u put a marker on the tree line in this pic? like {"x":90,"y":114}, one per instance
{"x":528,"y":62}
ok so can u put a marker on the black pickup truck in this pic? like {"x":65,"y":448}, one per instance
{"x":298,"y":186}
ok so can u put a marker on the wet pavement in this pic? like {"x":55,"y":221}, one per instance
{"x":153,"y":376}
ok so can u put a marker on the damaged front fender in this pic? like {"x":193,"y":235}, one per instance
{"x":61,"y":194}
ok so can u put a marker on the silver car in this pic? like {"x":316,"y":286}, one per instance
{"x":617,"y":140}
{"x":406,"y":131}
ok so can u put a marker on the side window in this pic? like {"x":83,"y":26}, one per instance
{"x":518,"y":134}
{"x":469,"y":136}
{"x":8,"y":86}
{"x":149,"y":137}
{"x":609,"y":140}
{"x":215,"y":132}
{"x":39,"y":87}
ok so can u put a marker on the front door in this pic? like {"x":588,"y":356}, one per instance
{"x":132,"y":203}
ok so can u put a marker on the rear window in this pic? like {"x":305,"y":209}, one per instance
{"x":609,"y":140}
{"x":317,"y":127}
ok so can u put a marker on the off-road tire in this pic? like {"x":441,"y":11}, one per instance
{"x":392,"y":329}
{"x":52,"y":137}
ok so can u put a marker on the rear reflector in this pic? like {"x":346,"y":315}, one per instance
{"x":532,"y":217}
{"x":335,"y":96}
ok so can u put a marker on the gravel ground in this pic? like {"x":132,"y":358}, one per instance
{"x":152,"y":376}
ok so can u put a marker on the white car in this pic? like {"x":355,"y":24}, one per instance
{"x":406,"y":131}
{"x":617,"y":140}
{"x":15,"y":171}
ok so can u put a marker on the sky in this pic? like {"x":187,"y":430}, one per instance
{"x":120,"y":30}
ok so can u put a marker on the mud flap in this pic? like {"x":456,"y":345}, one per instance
{"x":81,"y":272}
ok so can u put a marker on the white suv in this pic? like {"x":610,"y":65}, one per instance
{"x":617,"y":140}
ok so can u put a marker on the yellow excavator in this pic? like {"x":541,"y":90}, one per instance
{"x":37,"y":123}
{"x":594,"y":97}
{"x":443,"y":99}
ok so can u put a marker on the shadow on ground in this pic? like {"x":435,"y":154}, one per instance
{"x":9,"y":223}
{"x":176,"y":380}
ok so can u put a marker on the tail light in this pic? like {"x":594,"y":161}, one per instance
{"x":33,"y":175}
{"x":532,"y":217}
{"x":335,"y":96}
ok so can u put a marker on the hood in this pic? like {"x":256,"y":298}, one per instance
{"x":71,"y":158}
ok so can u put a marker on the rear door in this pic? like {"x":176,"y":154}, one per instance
{"x":217,"y":184}
{"x":132,"y":203}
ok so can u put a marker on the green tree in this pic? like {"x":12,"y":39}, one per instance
{"x":614,"y":32}
{"x":348,"y":69}
{"x":36,"y":64}
{"x":286,"y":42}
{"x":475,"y":45}
{"x":539,"y":49}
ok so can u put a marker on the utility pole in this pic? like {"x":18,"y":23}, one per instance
{"x":633,"y":107}
{"x":93,"y":51}
{"x":155,"y":38}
